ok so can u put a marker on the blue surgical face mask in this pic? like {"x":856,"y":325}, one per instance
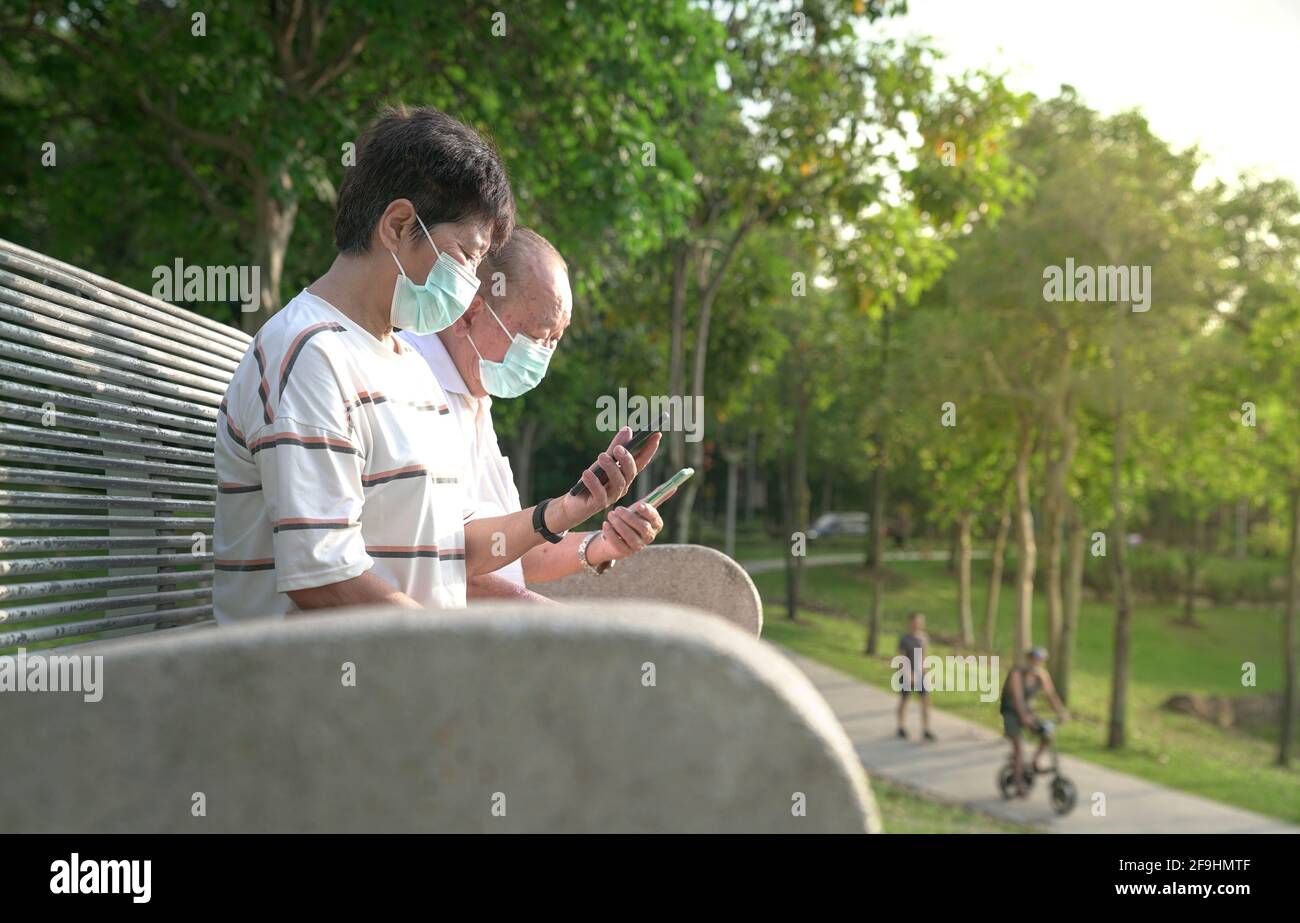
{"x":440,"y":301}
{"x":520,"y":369}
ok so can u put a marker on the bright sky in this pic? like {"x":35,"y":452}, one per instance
{"x":1222,"y":74}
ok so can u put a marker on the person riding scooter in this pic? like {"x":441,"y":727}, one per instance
{"x":1022,"y":684}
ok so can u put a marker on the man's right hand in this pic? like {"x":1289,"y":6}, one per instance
{"x":621,"y":468}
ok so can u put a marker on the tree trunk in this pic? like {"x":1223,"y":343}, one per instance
{"x":1119,"y":555}
{"x":751,"y":478}
{"x":963,"y":579}
{"x":687,"y":494}
{"x":875,"y":532}
{"x":1055,"y":499}
{"x":996,"y":564}
{"x":1193,"y":559}
{"x":1290,"y":692}
{"x":876,"y":553}
{"x":521,"y":459}
{"x":734,"y":460}
{"x":676,"y":437}
{"x":1241,"y":530}
{"x":799,"y":492}
{"x":1026,"y":549}
{"x":677,"y":350}
{"x":1076,"y":547}
{"x":876,"y":519}
{"x":271,"y":235}
{"x":787,"y":525}
{"x":685,"y":499}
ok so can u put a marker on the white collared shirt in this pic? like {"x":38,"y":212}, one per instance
{"x":490,"y":479}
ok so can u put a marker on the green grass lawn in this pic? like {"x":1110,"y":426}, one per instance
{"x":1175,"y":750}
{"x":756,"y":544}
{"x":905,"y":811}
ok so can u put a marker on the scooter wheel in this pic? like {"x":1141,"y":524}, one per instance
{"x":1007,"y":782}
{"x":1064,"y":795}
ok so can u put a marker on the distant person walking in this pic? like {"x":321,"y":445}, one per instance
{"x":911,"y":645}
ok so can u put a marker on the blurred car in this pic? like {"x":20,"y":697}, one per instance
{"x":828,"y":524}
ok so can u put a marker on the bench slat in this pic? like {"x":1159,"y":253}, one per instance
{"x":29,"y":368}
{"x":53,"y":521}
{"x":169,"y":337}
{"x":50,"y":435}
{"x":32,"y":455}
{"x":76,"y":606}
{"x":165,"y":618}
{"x":70,"y":587}
{"x":35,"y":566}
{"x":29,"y":262}
{"x":114,"y":366}
{"x":39,"y":314}
{"x":136,"y":412}
{"x":9,"y":475}
{"x":30,"y":499}
{"x":39,"y":544}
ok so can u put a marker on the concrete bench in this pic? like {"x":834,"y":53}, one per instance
{"x":684,"y":575}
{"x":587,"y":716}
{"x":499,"y":719}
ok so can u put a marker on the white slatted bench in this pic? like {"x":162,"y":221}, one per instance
{"x":108,"y":403}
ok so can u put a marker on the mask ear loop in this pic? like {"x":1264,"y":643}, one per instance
{"x":436,"y":252}
{"x":401,"y":268}
{"x":496,"y":317}
{"x":463,"y":270}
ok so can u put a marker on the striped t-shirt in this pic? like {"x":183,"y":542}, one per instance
{"x":335,"y":455}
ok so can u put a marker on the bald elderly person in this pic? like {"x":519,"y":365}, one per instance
{"x":502,"y":349}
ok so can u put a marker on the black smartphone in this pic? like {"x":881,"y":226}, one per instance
{"x":638,"y":439}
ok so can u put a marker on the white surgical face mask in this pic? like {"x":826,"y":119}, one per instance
{"x":440,"y":301}
{"x":522,"y":367}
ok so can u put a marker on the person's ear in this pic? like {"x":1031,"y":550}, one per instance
{"x":463,"y":323}
{"x":394,"y":224}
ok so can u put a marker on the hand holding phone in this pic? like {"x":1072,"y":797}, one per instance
{"x":633,"y":445}
{"x":619,"y":467}
{"x":629,"y":529}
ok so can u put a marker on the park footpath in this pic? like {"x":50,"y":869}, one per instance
{"x":960,"y":767}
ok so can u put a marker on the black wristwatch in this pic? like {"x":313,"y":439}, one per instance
{"x":539,"y":524}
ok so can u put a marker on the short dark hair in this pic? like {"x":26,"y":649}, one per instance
{"x":524,"y":243}
{"x":447,"y":170}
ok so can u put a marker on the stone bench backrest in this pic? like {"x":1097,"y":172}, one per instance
{"x":571,"y":718}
